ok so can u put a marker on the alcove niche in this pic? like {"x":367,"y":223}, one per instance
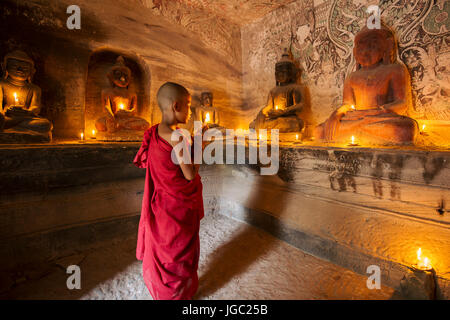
{"x":100,"y":64}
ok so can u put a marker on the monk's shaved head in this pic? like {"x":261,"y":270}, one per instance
{"x":169,"y":93}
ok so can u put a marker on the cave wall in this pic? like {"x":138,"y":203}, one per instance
{"x":170,"y":49}
{"x":320,"y":34}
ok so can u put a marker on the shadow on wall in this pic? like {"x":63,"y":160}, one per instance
{"x":235,"y":256}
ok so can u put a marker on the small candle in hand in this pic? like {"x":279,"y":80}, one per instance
{"x":207,"y":118}
{"x":16,"y":99}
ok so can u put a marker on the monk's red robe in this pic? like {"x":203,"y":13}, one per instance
{"x":168,"y":236}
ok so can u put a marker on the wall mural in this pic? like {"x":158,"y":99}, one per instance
{"x":320,"y":34}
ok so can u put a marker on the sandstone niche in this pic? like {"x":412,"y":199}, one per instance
{"x":117,"y":104}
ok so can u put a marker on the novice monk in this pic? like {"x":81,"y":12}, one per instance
{"x":168,"y":237}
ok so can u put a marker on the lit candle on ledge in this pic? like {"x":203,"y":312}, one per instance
{"x":16,"y":99}
{"x":353,"y":107}
{"x":207,"y":118}
{"x":81,"y":138}
{"x":121,"y":106}
{"x":353,"y":142}
{"x":93,"y":134}
{"x":423,"y":264}
{"x":423,"y":132}
{"x":276,"y":107}
{"x":296,"y":137}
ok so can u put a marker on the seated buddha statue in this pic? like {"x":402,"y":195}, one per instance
{"x":287,"y":108}
{"x":377,"y":96}
{"x":207,"y":113}
{"x":20,"y":99}
{"x":120,"y":102}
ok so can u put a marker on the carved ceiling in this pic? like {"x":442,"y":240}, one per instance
{"x":240,"y":12}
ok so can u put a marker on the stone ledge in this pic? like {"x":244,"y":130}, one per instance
{"x":352,"y":258}
{"x":41,"y":168}
{"x":17,"y":137}
{"x":41,"y":247}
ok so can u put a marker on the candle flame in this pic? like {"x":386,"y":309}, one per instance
{"x":423,"y":127}
{"x":82,"y":136}
{"x":207,"y":118}
{"x":353,"y":107}
{"x":422,"y":264}
{"x":93,"y":132}
{"x":353,"y":139}
{"x":276,"y":107}
{"x":121,"y":106}
{"x":16,"y":100}
{"x":296,"y":137}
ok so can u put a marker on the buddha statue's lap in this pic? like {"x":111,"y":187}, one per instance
{"x":287,"y":107}
{"x":377,"y":97}
{"x":120,"y":103}
{"x":20,"y":99}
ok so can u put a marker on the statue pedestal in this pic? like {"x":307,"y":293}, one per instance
{"x":121,"y":135}
{"x":10,"y":136}
{"x":355,"y":207}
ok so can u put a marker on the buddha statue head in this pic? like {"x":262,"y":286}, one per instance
{"x":373,"y":46}
{"x":120,"y":74}
{"x":207,"y":99}
{"x":18,"y":66}
{"x":286,"y":71}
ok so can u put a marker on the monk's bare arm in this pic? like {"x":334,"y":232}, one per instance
{"x":190,"y":170}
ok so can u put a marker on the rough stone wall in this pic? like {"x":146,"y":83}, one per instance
{"x":320,"y":34}
{"x":237,"y":11}
{"x":170,"y":51}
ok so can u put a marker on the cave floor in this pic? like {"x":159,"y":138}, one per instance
{"x":237,"y":261}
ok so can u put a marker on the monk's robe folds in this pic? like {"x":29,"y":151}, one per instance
{"x":168,"y":236}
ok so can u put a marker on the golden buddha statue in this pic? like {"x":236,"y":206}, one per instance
{"x":287,"y":108}
{"x":207,"y":113}
{"x":20,"y":99}
{"x":120,"y":102}
{"x":377,"y":96}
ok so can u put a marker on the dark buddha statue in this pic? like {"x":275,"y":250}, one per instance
{"x":287,"y":108}
{"x":377,"y":96}
{"x":207,"y":113}
{"x":21,"y":99}
{"x":120,"y":102}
